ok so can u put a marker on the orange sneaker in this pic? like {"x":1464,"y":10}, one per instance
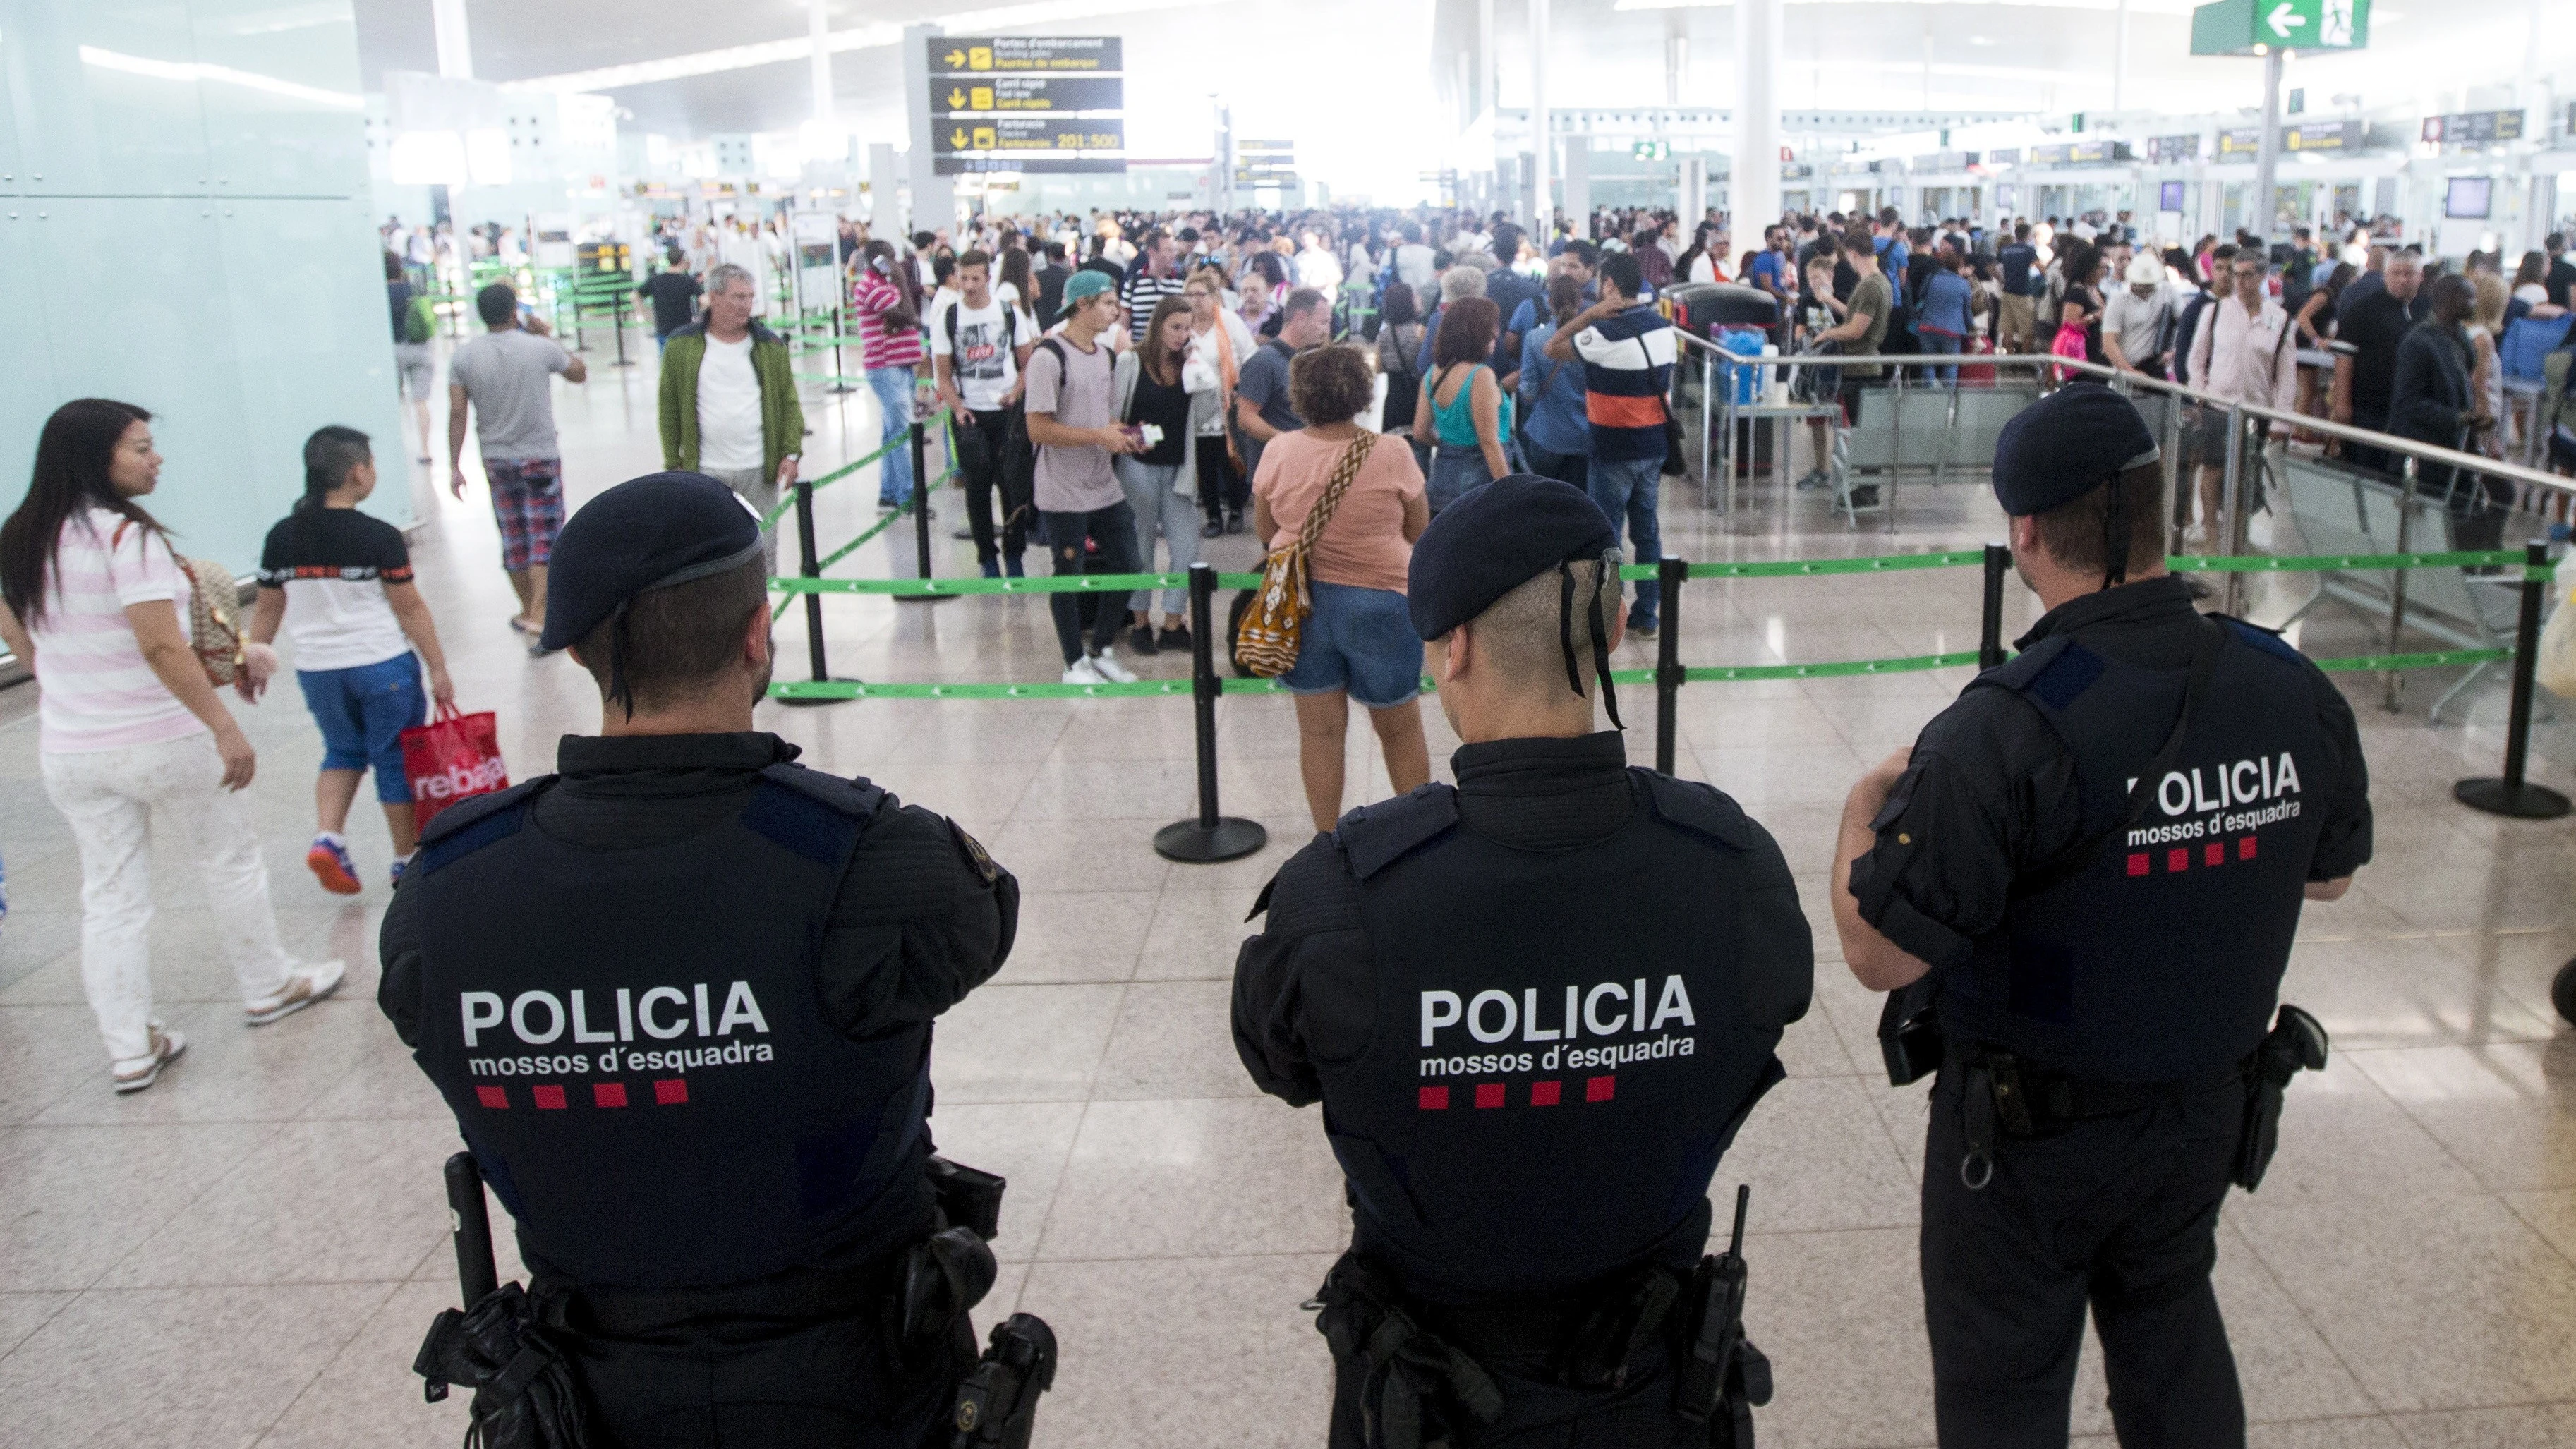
{"x":330,"y":863}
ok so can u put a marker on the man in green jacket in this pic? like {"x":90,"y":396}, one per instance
{"x":729,"y":405}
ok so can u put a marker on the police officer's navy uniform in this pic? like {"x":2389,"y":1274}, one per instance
{"x":1536,"y":1006}
{"x":679,"y":996}
{"x":2100,"y":984}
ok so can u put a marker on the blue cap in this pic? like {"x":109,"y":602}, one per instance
{"x":644,"y":534}
{"x":2066,"y":445}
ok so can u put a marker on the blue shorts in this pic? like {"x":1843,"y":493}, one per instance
{"x":1359,"y":640}
{"x":363,"y":712}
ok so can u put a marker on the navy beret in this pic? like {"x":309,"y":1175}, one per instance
{"x":646,"y":533}
{"x":2066,"y":445}
{"x":1495,"y":539}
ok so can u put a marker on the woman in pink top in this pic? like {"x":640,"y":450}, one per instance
{"x":889,"y":306}
{"x":133,"y":731}
{"x":1359,"y":642}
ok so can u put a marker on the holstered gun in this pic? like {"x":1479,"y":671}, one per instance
{"x":2296,"y":1043}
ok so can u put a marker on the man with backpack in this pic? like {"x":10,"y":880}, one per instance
{"x":980,"y":346}
{"x":2243,"y":351}
{"x":414,"y":325}
{"x":2017,"y":261}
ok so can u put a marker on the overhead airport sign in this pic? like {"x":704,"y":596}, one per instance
{"x":2165,"y":150}
{"x":2476,"y":128}
{"x":2079,"y":153}
{"x":1031,"y":103}
{"x":1026,"y":54}
{"x":2251,"y":27}
{"x":1032,"y":133}
{"x":2314,"y":136}
{"x":977,"y":95}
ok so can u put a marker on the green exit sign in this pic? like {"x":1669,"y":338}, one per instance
{"x":2250,"y":27}
{"x":1652,"y":150}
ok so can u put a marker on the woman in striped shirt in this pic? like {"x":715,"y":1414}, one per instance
{"x":889,"y":306}
{"x":133,"y":731}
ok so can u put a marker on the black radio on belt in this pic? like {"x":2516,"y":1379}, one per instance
{"x":1909,"y":1036}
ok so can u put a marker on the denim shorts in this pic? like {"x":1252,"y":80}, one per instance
{"x":363,"y":712}
{"x":1360,"y":640}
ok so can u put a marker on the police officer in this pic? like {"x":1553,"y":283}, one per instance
{"x":680,"y":995}
{"x":2091,"y":867}
{"x":1536,"y":1007}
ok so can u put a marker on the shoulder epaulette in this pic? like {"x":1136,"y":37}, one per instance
{"x":1700,"y":808}
{"x":1374,"y":837}
{"x":816,"y":815}
{"x":469,"y":825}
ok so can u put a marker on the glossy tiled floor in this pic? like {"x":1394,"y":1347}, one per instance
{"x":249,"y":1252}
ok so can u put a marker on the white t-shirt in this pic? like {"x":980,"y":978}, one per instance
{"x":981,"y":362}
{"x":97,"y":693}
{"x":728,"y":406}
{"x":1413,"y":265}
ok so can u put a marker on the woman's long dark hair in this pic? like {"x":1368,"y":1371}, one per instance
{"x":71,"y":472}
{"x":1015,"y":270}
{"x":897,"y":270}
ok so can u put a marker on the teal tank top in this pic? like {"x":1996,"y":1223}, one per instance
{"x":1455,"y":423}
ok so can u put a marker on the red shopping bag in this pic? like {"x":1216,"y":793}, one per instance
{"x":452,"y":757}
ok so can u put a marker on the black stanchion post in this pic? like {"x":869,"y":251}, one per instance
{"x":808,"y":566}
{"x":617,"y":324}
{"x":2513,"y":795}
{"x":1990,"y":626}
{"x":1207,"y":837}
{"x":1670,"y":572}
{"x":921,"y":517}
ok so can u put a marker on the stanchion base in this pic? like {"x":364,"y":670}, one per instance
{"x":2523,"y":802}
{"x":2562,"y":993}
{"x":1193,"y":843}
{"x":796,"y":701}
{"x":840,"y":387}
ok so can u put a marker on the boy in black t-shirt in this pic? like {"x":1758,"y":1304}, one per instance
{"x":357,"y":618}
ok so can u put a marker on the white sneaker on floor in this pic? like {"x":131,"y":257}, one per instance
{"x":1082,"y":672}
{"x":135,"y":1075}
{"x":303,"y":988}
{"x":1106,"y":662}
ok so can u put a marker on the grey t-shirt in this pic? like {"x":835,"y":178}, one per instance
{"x":509,"y":377}
{"x":1264,"y":383}
{"x":1076,"y":391}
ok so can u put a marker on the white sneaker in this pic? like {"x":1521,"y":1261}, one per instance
{"x":1082,"y":672}
{"x":1106,"y":662}
{"x":302,"y":989}
{"x":135,"y":1075}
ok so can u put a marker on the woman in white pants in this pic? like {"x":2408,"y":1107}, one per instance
{"x":134,"y":734}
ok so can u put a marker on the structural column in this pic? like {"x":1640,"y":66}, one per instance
{"x":2267,"y":154}
{"x":455,"y":47}
{"x":818,"y":32}
{"x":1542,"y":147}
{"x":1754,"y":188}
{"x":934,"y":197}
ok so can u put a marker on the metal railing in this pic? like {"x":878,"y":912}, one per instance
{"x":1718,"y":411}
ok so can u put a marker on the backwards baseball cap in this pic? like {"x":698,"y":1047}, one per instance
{"x":1084,"y":284}
{"x":1499,"y":537}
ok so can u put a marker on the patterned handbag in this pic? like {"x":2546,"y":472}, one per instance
{"x":214,"y":612}
{"x":1267,"y":643}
